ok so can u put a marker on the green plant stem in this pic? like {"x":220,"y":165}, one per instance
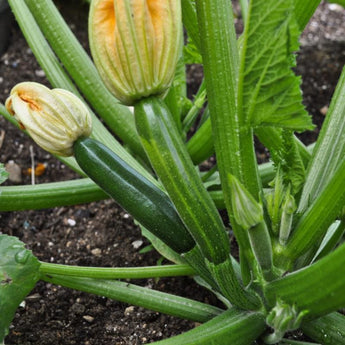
{"x":80,"y":67}
{"x":39,"y":46}
{"x":317,"y":288}
{"x":329,"y":149}
{"x":232,"y":139}
{"x":208,"y":174}
{"x":315,"y":222}
{"x":331,"y":240}
{"x":329,"y":329}
{"x":295,"y":342}
{"x":175,"y":169}
{"x":232,"y":327}
{"x":200,"y":145}
{"x":48,"y":195}
{"x":244,"y":10}
{"x":191,"y":117}
{"x":199,"y":101}
{"x":178,"y":90}
{"x":117,"y":272}
{"x":171,"y":102}
{"x":262,"y":248}
{"x":143,"y":297}
{"x":304,"y":10}
{"x":190,"y":21}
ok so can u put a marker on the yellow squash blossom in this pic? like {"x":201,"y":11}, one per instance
{"x":135,"y":45}
{"x":55,"y":118}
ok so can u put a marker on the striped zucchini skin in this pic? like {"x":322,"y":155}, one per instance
{"x":149,"y":205}
{"x":173,"y":165}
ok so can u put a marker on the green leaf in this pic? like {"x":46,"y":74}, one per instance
{"x":191,"y":53}
{"x":3,"y":174}
{"x":19,"y":272}
{"x":269,"y":91}
{"x":161,"y":247}
{"x":288,"y":158}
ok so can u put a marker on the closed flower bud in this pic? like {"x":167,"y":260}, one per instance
{"x":247,"y":211}
{"x":135,"y":45}
{"x":55,"y":118}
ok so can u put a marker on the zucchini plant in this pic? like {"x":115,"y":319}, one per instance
{"x":287,"y":215}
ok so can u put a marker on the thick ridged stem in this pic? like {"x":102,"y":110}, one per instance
{"x":175,"y":169}
{"x":233,"y":139}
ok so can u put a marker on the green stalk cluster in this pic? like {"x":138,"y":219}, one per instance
{"x":287,"y":217}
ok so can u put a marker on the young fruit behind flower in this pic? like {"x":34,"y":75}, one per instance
{"x":55,"y":118}
{"x":135,"y":45}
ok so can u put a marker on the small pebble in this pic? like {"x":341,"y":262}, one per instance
{"x":34,"y":296}
{"x":71,"y":222}
{"x":336,"y":7}
{"x":14,"y":172}
{"x":96,"y":252}
{"x":324,"y":110}
{"x":129,"y":310}
{"x":137,"y":244}
{"x":88,"y":318}
{"x":40,"y":73}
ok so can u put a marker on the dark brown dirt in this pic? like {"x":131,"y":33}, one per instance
{"x":101,"y":234}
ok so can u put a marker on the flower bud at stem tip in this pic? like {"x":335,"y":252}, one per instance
{"x":135,"y":45}
{"x":55,"y":118}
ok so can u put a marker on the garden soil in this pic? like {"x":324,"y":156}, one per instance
{"x":101,"y":233}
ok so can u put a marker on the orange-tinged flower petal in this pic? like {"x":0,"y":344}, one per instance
{"x":135,"y":45}
{"x":55,"y":119}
